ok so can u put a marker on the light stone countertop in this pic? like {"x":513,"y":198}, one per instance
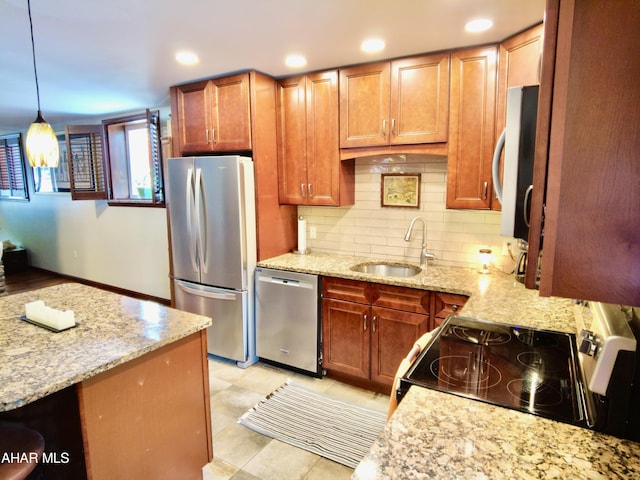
{"x":495,"y":296}
{"x":112,"y":329}
{"x":436,"y":435}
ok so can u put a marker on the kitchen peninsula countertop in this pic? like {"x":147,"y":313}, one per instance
{"x":495,"y":296}
{"x":442,"y":436}
{"x":112,"y":330}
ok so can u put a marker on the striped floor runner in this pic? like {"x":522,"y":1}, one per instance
{"x":331,"y":428}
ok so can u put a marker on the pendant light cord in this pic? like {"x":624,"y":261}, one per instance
{"x":33,"y":50}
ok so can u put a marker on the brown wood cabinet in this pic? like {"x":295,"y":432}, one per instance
{"x":395,"y":103}
{"x":445,"y":304}
{"x":309,"y":166}
{"x":369,"y":328}
{"x":586,"y":171}
{"x":212,"y":115}
{"x":471,"y":127}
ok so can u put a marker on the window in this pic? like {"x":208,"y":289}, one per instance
{"x":119,"y":161}
{"x":134,"y":160}
{"x":12,"y":172}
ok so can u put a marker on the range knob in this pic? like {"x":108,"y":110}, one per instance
{"x":589,"y":345}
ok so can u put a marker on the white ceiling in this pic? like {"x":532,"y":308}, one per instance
{"x":102,"y":58}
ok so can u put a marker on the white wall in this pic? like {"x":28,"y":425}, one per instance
{"x":126,"y":247}
{"x":367,"y":229}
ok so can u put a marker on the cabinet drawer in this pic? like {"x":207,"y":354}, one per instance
{"x":401,"y":298}
{"x":343,"y":289}
{"x":445,"y":304}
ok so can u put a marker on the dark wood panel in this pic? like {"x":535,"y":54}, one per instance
{"x":401,"y":298}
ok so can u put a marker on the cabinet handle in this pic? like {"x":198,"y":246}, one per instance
{"x":384,"y":127}
{"x":302,"y":189}
{"x":485,"y":189}
{"x":206,"y":131}
{"x":393,"y":126}
{"x":309,"y":190}
{"x":373,"y":323}
{"x":213,"y":135}
{"x":364,"y":317}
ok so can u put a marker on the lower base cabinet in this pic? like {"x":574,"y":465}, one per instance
{"x":368,"y":329}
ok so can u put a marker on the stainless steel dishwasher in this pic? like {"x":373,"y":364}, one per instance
{"x":287,"y":327}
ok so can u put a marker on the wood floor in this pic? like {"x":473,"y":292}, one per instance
{"x":31,"y":279}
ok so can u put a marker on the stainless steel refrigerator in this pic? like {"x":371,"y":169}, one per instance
{"x":211,"y":202}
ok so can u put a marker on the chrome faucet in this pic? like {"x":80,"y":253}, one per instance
{"x":423,"y":252}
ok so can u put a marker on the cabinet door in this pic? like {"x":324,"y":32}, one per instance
{"x":323,"y":155}
{"x":231,"y":129}
{"x":346,"y":341}
{"x":420,"y":99}
{"x":589,"y":96}
{"x":193,"y":109}
{"x":471,"y":128}
{"x":393,"y":334}
{"x":364,"y":105}
{"x":291,"y":126}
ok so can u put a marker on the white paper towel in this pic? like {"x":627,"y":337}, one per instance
{"x":302,"y":235}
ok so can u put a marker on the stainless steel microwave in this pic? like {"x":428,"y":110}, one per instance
{"x":518,"y":142}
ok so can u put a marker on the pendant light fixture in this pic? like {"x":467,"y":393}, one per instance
{"x":42,"y":144}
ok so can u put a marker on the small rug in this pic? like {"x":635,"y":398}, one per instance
{"x":334,"y":429}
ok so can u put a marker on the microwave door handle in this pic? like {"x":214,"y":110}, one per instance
{"x":495,"y":165}
{"x":199,"y":200}
{"x":189,"y":211}
{"x":525,"y":209}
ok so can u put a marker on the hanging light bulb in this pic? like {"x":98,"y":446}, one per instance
{"x":42,"y":144}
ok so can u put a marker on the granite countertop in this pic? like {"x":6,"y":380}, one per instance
{"x":112,"y":329}
{"x":438,"y":435}
{"x":495,"y":296}
{"x":442,"y":436}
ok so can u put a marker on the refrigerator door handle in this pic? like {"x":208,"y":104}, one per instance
{"x":189,"y":210}
{"x":198,"y":201}
{"x":206,"y":294}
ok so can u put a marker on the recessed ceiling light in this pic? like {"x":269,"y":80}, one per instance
{"x":478,"y":25}
{"x":372,"y":45}
{"x":187,"y":58}
{"x":295,"y":61}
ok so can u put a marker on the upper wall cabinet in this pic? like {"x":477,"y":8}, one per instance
{"x":480,"y":78}
{"x":471,"y":127}
{"x":402,"y":102}
{"x":587,"y":171}
{"x":212,"y":115}
{"x":309,"y":166}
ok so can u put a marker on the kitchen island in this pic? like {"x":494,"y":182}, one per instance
{"x":124,"y":394}
{"x":442,"y":436}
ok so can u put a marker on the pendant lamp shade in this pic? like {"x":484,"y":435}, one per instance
{"x":42,"y":144}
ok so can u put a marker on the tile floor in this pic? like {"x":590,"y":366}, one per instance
{"x":242,"y":454}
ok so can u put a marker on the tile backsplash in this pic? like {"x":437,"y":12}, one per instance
{"x":367,"y":229}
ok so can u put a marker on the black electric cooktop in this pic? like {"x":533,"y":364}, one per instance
{"x":530,"y":370}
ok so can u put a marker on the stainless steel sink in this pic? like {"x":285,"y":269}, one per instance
{"x":387,"y":269}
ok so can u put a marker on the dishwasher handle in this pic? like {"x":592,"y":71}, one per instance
{"x":289,"y":282}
